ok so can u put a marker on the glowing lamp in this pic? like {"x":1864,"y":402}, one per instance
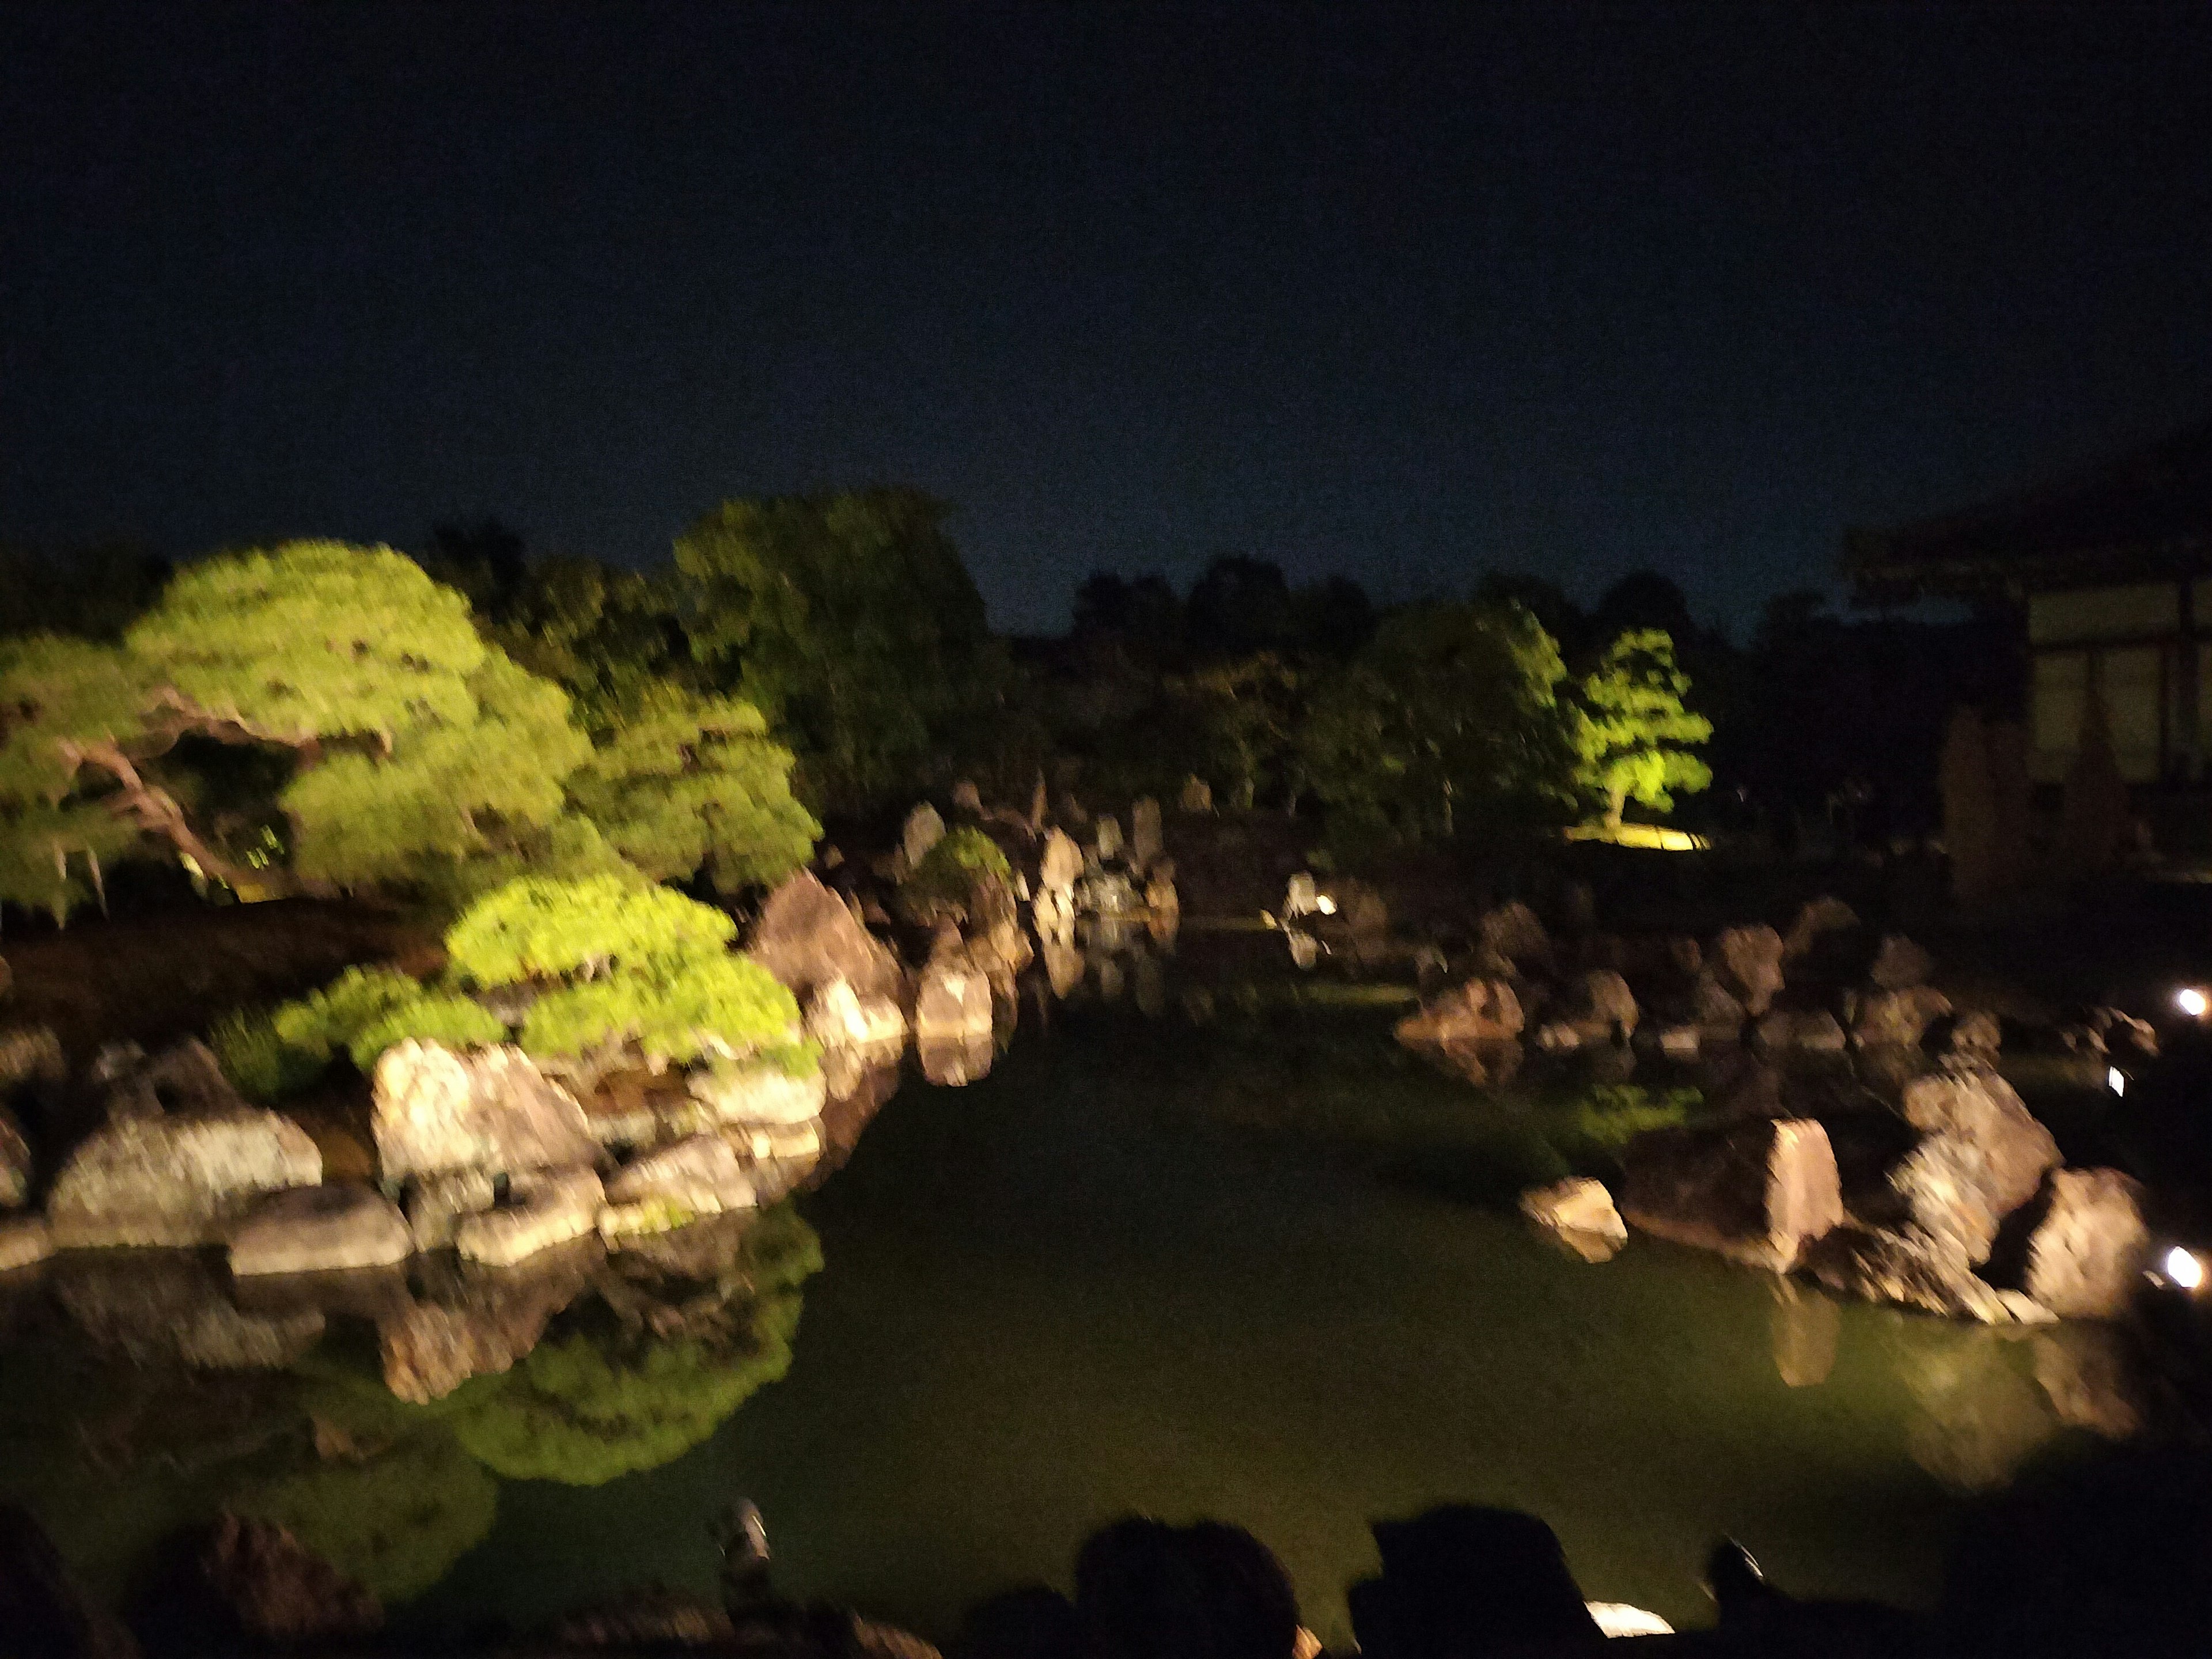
{"x":2191,"y":1001}
{"x":2115,"y":1080}
{"x":2182,"y":1268}
{"x":1325,"y":904}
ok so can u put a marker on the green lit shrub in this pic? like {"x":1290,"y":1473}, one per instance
{"x":682,"y":1011}
{"x":454,"y":1021}
{"x":539,"y":929}
{"x":255,"y":1056}
{"x":950,"y":872}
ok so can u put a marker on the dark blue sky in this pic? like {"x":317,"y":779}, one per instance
{"x":1403,"y":295}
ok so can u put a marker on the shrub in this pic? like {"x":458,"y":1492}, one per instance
{"x":950,"y":871}
{"x":540,"y":928}
{"x":255,"y":1056}
{"x":454,"y":1021}
{"x":683,"y":1011}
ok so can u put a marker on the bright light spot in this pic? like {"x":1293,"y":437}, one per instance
{"x":2184,"y":1269}
{"x":1325,"y":904}
{"x":2191,"y":1001}
{"x":2115,"y":1080}
{"x":1619,"y":1619}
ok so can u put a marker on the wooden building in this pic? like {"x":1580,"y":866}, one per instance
{"x":2110,"y":569}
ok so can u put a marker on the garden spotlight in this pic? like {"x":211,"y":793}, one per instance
{"x":2182,"y":1268}
{"x":2191,"y":1001}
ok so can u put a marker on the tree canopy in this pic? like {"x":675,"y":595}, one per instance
{"x":1634,"y":738}
{"x":1449,"y":717}
{"x":849,"y":621}
{"x":403,"y":751}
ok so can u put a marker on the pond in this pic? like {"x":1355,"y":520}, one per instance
{"x":1260,"y":1272}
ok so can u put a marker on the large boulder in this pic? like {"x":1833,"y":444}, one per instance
{"x":1749,"y":962}
{"x":700,"y":1175}
{"x":1913,"y":1268}
{"x":1804,"y":1030}
{"x":436,"y":1204}
{"x":14,"y":1164}
{"x":955,"y":1002}
{"x":1479,"y":1010}
{"x":1982,"y":1109}
{"x":24,"y":1240}
{"x":1714,"y":1010}
{"x":1817,"y":918}
{"x":1943,"y":1187}
{"x":924,"y":828}
{"x":2087,"y":1244}
{"x":488,"y":1109}
{"x":1757,"y":1192}
{"x":319,"y":1230}
{"x":1601,"y":1003}
{"x":545,"y":1207}
{"x":1899,"y":1018}
{"x":806,"y":937}
{"x":1062,"y":862}
{"x":1578,"y":1205}
{"x":30,"y":1056}
{"x":760,"y":1092}
{"x":177,"y":1179}
{"x":1899,"y":964}
{"x":1512,"y":933}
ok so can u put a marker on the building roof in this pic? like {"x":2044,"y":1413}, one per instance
{"x":2144,"y":515}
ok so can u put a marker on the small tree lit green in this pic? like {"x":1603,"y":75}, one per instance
{"x":1634,"y":738}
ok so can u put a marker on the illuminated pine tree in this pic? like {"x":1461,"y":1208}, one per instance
{"x":1634,"y":737}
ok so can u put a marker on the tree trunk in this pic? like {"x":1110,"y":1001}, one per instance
{"x":157,"y":812}
{"x":1616,"y":801}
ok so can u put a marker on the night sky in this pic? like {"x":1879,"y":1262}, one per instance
{"x":1404,"y":294}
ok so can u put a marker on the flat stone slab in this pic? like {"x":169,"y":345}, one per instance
{"x":320,"y":1230}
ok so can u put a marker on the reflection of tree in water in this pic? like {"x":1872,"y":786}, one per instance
{"x":396,"y":1520}
{"x":692,"y":1324}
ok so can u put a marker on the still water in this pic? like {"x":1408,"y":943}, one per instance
{"x":1063,"y":1293}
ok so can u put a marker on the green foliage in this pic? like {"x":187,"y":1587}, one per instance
{"x":360,"y":1014}
{"x":680,"y":1010}
{"x":849,"y":621}
{"x":449,"y":790}
{"x":1449,"y":716}
{"x":386,"y":744}
{"x":1240,"y":715}
{"x":614,"y":639}
{"x":398,"y":1522}
{"x":595,"y":1405}
{"x":641,"y":964}
{"x":330,"y":1020}
{"x":255,"y":1056}
{"x":948,"y":872}
{"x":678,"y":783}
{"x":1632,"y":736}
{"x":1596,"y":1125}
{"x":540,"y":928}
{"x":457,"y":1021}
{"x":314,"y":641}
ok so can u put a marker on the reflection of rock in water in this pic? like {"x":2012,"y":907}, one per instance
{"x":953,"y":1060}
{"x":1979,"y":1418}
{"x":472,"y":1321}
{"x":1805,"y":1325}
{"x":848,"y":1112}
{"x":171,"y":1307}
{"x":1106,"y":970}
{"x":705,"y":1317}
{"x":1063,"y":966}
{"x":2089,"y":1373}
{"x":1150,"y":985}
